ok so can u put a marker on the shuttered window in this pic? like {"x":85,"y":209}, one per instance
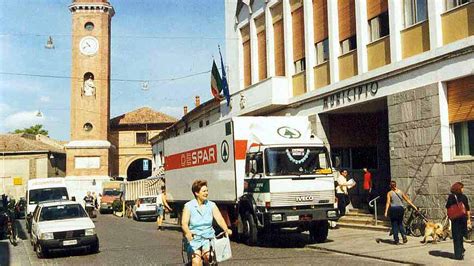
{"x":376,"y":7}
{"x":298,"y":34}
{"x":279,"y":41}
{"x":262,"y":47}
{"x":320,"y":20}
{"x":461,"y":99}
{"x":346,"y":13}
{"x":245,"y":32}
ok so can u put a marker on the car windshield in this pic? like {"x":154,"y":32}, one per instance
{"x":112,"y":193}
{"x":62,"y":212}
{"x":148,"y":200}
{"x":295,"y":161}
{"x":44,"y":194}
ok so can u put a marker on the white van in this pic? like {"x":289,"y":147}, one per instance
{"x":43,"y":189}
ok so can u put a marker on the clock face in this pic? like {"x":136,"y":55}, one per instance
{"x":89,"y":45}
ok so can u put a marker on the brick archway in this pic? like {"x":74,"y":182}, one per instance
{"x":139,"y":168}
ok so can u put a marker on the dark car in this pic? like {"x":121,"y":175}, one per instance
{"x":20,"y":208}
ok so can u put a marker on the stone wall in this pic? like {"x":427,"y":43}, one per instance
{"x":415,"y":151}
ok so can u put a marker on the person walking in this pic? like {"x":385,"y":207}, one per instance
{"x":198,"y":215}
{"x":395,"y":209}
{"x":342,"y":194}
{"x":459,"y":225}
{"x":367,"y":186}
{"x":161,"y":203}
{"x":89,"y":204}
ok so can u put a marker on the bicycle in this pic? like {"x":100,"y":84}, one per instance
{"x":9,"y":224}
{"x":415,"y":222}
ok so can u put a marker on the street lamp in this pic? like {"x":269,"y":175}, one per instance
{"x":53,"y":164}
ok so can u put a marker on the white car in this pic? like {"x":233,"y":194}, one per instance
{"x":62,"y":225}
{"x":145,"y":208}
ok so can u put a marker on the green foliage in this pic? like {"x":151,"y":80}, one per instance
{"x":117,"y":205}
{"x":35,"y":130}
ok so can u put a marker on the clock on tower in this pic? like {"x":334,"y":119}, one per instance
{"x":87,"y":153}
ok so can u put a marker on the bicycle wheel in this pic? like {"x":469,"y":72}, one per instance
{"x":417,"y":227}
{"x":12,"y":235}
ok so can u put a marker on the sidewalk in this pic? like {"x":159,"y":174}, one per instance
{"x":363,"y":243}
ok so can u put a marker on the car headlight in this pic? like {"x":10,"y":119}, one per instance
{"x":46,"y":236}
{"x":90,"y":232}
{"x":332,"y":214}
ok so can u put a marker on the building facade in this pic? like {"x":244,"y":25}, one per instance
{"x":387,"y":84}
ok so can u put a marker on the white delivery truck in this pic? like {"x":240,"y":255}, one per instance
{"x":264,"y":173}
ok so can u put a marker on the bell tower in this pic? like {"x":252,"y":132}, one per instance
{"x":88,"y":151}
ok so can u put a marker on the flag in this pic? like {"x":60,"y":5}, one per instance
{"x":225,"y":85}
{"x":216,"y":82}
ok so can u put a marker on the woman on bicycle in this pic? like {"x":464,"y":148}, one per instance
{"x":395,"y":208}
{"x":198,"y":215}
{"x":459,"y":225}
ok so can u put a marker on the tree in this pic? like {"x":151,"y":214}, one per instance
{"x":35,"y":130}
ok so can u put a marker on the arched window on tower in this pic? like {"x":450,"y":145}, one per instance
{"x":89,"y":86}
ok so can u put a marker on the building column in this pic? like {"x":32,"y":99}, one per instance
{"x":270,"y":42}
{"x":333,"y":39}
{"x":253,"y":51}
{"x":395,"y":16}
{"x":435,"y":8}
{"x":288,"y":37}
{"x":309,"y":43}
{"x":362,"y":34}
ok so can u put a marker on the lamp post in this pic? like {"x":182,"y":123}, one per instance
{"x":53,"y":163}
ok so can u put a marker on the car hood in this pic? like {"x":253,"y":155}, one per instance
{"x":66,"y":225}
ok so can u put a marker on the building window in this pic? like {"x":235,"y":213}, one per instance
{"x":322,"y":51}
{"x":415,"y":11}
{"x":463,"y":134}
{"x":142,"y":138}
{"x":300,"y":65}
{"x":348,"y":45}
{"x":378,"y":27}
{"x":450,"y":4}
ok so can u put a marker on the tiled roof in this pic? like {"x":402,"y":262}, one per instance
{"x":26,"y":143}
{"x":144,"y":115}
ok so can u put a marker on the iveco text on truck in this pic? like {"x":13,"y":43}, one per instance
{"x":264,"y":173}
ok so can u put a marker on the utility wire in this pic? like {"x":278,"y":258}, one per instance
{"x":120,"y":36}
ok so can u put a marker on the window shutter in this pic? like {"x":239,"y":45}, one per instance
{"x":376,"y":7}
{"x":262,"y":47}
{"x":320,"y":20}
{"x":298,"y":34}
{"x":346,"y":13}
{"x":245,"y":31}
{"x":279,"y":41}
{"x":461,"y":99}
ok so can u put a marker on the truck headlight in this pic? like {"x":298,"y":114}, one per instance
{"x":90,"y":232}
{"x":277,"y":217}
{"x":46,"y":236}
{"x":332,"y":214}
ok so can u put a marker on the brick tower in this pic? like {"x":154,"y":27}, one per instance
{"x":89,"y":148}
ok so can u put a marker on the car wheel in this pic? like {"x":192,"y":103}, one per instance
{"x":40,"y":252}
{"x":95,"y":247}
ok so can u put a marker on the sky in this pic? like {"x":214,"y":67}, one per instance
{"x":152,"y":40}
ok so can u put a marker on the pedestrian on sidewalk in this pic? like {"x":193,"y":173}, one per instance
{"x":342,"y":194}
{"x":459,"y":225}
{"x":368,"y":187}
{"x":198,"y":215}
{"x":395,"y":209}
{"x":161,"y":203}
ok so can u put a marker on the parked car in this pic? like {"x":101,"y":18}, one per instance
{"x":20,"y":208}
{"x":145,"y":208}
{"x":62,"y":225}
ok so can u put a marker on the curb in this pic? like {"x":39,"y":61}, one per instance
{"x":363,"y":256}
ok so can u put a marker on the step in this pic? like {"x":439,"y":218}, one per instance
{"x":362,"y":220}
{"x":355,"y":214}
{"x":378,"y":228}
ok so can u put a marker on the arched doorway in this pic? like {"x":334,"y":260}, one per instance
{"x":139,"y":169}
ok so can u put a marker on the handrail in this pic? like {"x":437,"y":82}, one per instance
{"x":373,"y":203}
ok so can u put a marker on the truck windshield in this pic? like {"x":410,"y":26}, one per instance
{"x":62,"y":212}
{"x":148,"y":200}
{"x":295,"y":161}
{"x":112,"y":193}
{"x":44,"y":194}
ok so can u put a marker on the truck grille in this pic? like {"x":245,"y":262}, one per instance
{"x":68,"y":234}
{"x":281,"y":199}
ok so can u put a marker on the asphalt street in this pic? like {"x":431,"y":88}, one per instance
{"x":127,"y":242}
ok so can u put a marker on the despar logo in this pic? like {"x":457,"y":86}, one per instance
{"x":192,"y":158}
{"x":306,"y":198}
{"x":289,"y":133}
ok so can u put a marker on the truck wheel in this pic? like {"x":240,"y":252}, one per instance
{"x":40,"y":252}
{"x":249,"y":230}
{"x":95,"y":247}
{"x":318,"y":231}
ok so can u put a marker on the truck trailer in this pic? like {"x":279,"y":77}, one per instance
{"x":264,"y":174}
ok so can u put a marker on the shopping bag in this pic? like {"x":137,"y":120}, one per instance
{"x":222,"y":248}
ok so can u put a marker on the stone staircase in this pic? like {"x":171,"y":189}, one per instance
{"x":362,"y":219}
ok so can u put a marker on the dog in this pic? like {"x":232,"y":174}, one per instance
{"x":436,"y":231}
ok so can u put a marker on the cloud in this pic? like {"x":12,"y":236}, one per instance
{"x":174,"y":111}
{"x":45,"y":99}
{"x":23,"y":119}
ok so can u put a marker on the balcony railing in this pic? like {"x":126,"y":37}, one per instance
{"x":458,"y":23}
{"x":299,"y":83}
{"x":348,"y":65}
{"x":321,"y":75}
{"x":415,"y":39}
{"x":378,"y":53}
